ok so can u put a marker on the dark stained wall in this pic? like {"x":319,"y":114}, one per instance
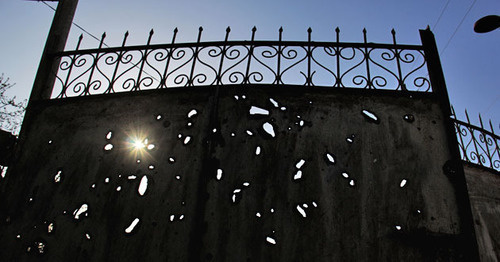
{"x":484,"y":189}
{"x":312,"y":177}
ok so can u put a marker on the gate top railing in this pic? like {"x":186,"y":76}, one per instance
{"x":325,"y":64}
{"x":476,"y":144}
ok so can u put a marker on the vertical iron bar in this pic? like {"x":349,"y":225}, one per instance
{"x":338,"y":81}
{"x":397,"y":53}
{"x":496,"y":149}
{"x":471,"y":131}
{"x":223,"y":54}
{"x":309,"y":55}
{"x":368,"y":77}
{"x":144,"y":58}
{"x":485,"y":140}
{"x":118,"y":59}
{"x":73,"y":59}
{"x":250,"y":54}
{"x":195,"y":57}
{"x":278,"y":71}
{"x":94,"y":65}
{"x":169,"y":55}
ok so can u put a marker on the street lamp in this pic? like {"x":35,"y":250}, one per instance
{"x":487,"y":24}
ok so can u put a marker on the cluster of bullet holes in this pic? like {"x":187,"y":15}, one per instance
{"x":108,"y":146}
{"x":236,"y":197}
{"x":303,"y":207}
{"x":346,"y":176}
{"x":298,"y":165}
{"x":267,"y":127}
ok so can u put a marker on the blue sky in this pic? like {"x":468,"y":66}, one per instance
{"x":471,"y":62}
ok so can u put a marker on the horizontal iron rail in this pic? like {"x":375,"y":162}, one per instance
{"x":482,"y":130}
{"x":242,"y":43}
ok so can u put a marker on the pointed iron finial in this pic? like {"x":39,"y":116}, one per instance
{"x":200,"y":30}
{"x":309,"y":31}
{"x":364,"y":35}
{"x":337,"y":32}
{"x":467,"y":116}
{"x":150,"y":36}
{"x":125,"y":38}
{"x":491,"y":127}
{"x":175,"y":34}
{"x":393,"y":32}
{"x":280,"y":33}
{"x":228,"y":29}
{"x":102,"y":39}
{"x":481,"y":121}
{"x":254,"y":29}
{"x":79,"y":41}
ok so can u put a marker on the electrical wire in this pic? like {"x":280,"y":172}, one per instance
{"x":79,"y":27}
{"x":441,"y":15}
{"x":456,"y":29}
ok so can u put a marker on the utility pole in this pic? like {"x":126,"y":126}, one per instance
{"x":56,"y":40}
{"x":47,"y":69}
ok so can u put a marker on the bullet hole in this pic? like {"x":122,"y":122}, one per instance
{"x":370,"y":117}
{"x":300,"y":163}
{"x":330,"y":158}
{"x":271,"y":240}
{"x":258,"y":111}
{"x":132,"y":226}
{"x":143,"y":186}
{"x":219,"y":174}
{"x":409,"y":118}
{"x":192,"y":113}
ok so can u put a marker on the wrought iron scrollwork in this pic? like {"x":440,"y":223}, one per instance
{"x":478,"y":145}
{"x":326,"y":64}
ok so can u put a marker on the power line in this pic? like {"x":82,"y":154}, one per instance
{"x":81,"y":28}
{"x":441,"y":15}
{"x":458,"y":26}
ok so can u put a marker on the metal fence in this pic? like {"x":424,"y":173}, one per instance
{"x":476,"y":144}
{"x":325,"y":64}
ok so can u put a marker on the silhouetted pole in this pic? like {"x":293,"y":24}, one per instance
{"x":56,"y":40}
{"x":46,"y":74}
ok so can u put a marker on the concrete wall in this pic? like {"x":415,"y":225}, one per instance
{"x":484,"y":192}
{"x":233,"y":192}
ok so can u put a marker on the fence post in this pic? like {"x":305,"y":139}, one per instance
{"x":453,"y":168}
